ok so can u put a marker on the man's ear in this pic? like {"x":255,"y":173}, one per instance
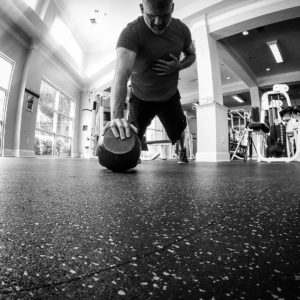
{"x":142,"y":8}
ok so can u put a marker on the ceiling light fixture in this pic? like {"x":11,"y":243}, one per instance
{"x":245,"y":32}
{"x":273,"y":45}
{"x":228,"y":78}
{"x":268,"y":69}
{"x":238,"y":98}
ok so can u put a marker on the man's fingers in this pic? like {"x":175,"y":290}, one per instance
{"x":162,"y":73}
{"x":160,"y":69}
{"x":163,"y":68}
{"x":120,"y":128}
{"x":126,"y":127}
{"x":161,"y":62}
{"x":115,"y":131}
{"x":173,"y":56}
{"x":134,"y":128}
{"x":117,"y":128}
{"x":105,"y":127}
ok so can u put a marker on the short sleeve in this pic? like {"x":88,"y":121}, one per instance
{"x":129,"y":38}
{"x":188,"y":37}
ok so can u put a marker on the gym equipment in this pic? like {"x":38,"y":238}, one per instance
{"x":238,"y":135}
{"x":165,"y":149}
{"x":278,"y":138}
{"x":242,"y":149}
{"x":116,"y":154}
{"x":189,"y":139}
{"x":162,"y":144}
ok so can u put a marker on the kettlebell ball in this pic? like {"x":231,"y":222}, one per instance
{"x":119,"y":155}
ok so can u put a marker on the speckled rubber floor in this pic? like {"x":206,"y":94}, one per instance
{"x":70,"y":229}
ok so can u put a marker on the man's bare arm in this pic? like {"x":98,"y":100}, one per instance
{"x":189,"y":59}
{"x":124,"y":66}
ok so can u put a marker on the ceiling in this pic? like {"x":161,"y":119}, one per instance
{"x":253,"y":51}
{"x":279,"y":20}
{"x":110,"y":16}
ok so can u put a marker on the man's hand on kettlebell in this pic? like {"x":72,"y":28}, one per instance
{"x":121,"y":128}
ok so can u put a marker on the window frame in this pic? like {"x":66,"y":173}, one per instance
{"x":7,"y":93}
{"x":57,"y":113}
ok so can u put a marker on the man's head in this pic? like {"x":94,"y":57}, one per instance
{"x":157,"y":14}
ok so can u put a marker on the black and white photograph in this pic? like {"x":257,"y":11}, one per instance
{"x":150,"y":149}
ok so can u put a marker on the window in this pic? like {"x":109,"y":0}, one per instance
{"x":2,"y":105}
{"x":155,"y":130}
{"x":6,"y":68}
{"x":63,"y":35}
{"x":54,"y":122}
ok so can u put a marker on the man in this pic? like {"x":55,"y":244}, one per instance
{"x":148,"y":53}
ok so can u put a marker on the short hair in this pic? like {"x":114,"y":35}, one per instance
{"x":158,"y":3}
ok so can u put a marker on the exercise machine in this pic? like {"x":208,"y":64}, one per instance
{"x":277,"y":130}
{"x":239,"y":134}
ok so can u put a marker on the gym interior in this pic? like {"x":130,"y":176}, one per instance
{"x":224,"y":226}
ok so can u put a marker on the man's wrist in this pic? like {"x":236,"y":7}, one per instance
{"x":180,"y":66}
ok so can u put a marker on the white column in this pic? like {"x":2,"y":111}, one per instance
{"x":212,"y":122}
{"x":255,"y":96}
{"x":20,"y":102}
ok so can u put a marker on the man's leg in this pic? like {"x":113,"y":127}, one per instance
{"x":174,"y":122}
{"x":182,"y":155}
{"x":181,"y":141}
{"x":141,"y":113}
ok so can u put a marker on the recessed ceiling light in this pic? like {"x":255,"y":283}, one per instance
{"x":268,"y":69}
{"x":228,"y":77}
{"x":274,"y":47}
{"x":238,"y":98}
{"x":245,"y":32}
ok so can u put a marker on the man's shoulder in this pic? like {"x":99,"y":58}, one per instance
{"x":135,"y":24}
{"x":131,"y":35}
{"x":178,"y":23}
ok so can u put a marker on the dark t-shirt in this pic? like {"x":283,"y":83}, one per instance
{"x":137,"y":37}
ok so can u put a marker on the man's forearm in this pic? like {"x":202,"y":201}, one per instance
{"x":118,"y":97}
{"x":187,"y":61}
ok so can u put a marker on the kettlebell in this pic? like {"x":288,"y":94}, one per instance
{"x":119,"y":155}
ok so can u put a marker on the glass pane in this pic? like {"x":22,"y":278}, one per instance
{"x":158,"y":135}
{"x":2,"y":100}
{"x":150,"y":135}
{"x":158,"y":124}
{"x":64,"y":105}
{"x":43,"y":143}
{"x":44,"y":119}
{"x":47,"y":95}
{"x":6,"y":68}
{"x":152,"y":125}
{"x":64,"y":126}
{"x":63,"y":146}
